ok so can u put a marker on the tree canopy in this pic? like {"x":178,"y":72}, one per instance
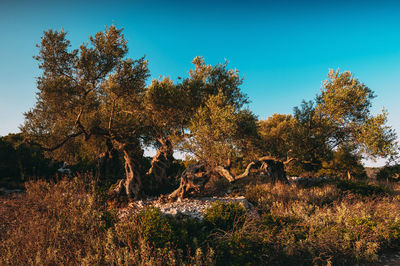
{"x":337,"y":124}
{"x":95,"y":102}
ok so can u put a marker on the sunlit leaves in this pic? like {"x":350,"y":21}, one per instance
{"x":345,"y":103}
{"x":86,"y":94}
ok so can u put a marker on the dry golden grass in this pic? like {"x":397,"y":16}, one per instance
{"x":71,"y":222}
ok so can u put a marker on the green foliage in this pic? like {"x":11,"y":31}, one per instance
{"x":206,"y":80}
{"x":301,"y":136}
{"x":344,"y":164}
{"x":362,"y":188}
{"x":333,"y":133}
{"x":86,"y":98}
{"x":344,"y":99}
{"x":166,"y":108}
{"x":190,"y":234}
{"x":154,"y":227}
{"x":20,"y":161}
{"x":390,"y":172}
{"x":8,"y":163}
{"x":225,"y":216}
{"x":213,"y":128}
{"x":219,"y":132}
{"x":277,"y":134}
{"x":239,"y":248}
{"x":345,"y":102}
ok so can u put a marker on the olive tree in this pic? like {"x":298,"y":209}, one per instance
{"x":94,"y":93}
{"x":337,"y":125}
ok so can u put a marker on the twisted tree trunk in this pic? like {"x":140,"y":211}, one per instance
{"x":196,"y":176}
{"x":271,"y":168}
{"x":157,"y":180}
{"x":274,"y":169}
{"x":158,"y":176}
{"x":108,"y":166}
{"x":193,"y":180}
{"x":132,"y":185}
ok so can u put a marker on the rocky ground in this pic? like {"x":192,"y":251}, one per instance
{"x":387,"y":259}
{"x":193,"y":207}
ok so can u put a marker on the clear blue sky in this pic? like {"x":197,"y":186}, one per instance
{"x":284,"y":49}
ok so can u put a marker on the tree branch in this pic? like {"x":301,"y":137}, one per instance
{"x":79,"y":124}
{"x":111,"y":115}
{"x":55,"y":147}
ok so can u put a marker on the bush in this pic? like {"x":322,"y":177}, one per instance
{"x":239,"y":248}
{"x":362,"y":188}
{"x":390,"y":173}
{"x":154,"y":228}
{"x":224,"y":216}
{"x":60,"y":223}
{"x":70,"y":222}
{"x":189,"y":233}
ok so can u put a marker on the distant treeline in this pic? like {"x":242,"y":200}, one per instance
{"x":20,"y":161}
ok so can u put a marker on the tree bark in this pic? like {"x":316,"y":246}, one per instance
{"x":195,"y":177}
{"x":225,"y":172}
{"x":108,"y":166}
{"x":158,"y":176}
{"x":132,"y":185}
{"x":193,"y":180}
{"x":348,"y":175}
{"x":274,"y":170}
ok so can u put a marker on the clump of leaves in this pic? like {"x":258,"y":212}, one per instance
{"x":154,"y":227}
{"x":224,"y":216}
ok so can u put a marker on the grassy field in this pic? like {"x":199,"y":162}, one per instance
{"x":329,"y":223}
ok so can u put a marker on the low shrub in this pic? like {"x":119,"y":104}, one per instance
{"x":190,"y":234}
{"x":154,"y":228}
{"x":390,"y":173}
{"x":362,"y":188}
{"x":71,"y":222}
{"x":224,"y":216}
{"x":241,"y":247}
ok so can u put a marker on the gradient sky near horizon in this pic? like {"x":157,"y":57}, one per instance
{"x":284,"y":49}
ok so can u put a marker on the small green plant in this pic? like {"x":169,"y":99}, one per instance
{"x":254,"y":194}
{"x":154,"y":228}
{"x":224,"y":216}
{"x":188,"y":232}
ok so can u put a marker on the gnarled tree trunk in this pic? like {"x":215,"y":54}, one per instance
{"x":137,"y":183}
{"x":158,"y":176}
{"x":273,"y":169}
{"x":108,"y":164}
{"x":132,"y":184}
{"x":193,"y":180}
{"x":196,"y":176}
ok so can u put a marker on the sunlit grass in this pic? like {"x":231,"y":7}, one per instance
{"x":72,"y":222}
